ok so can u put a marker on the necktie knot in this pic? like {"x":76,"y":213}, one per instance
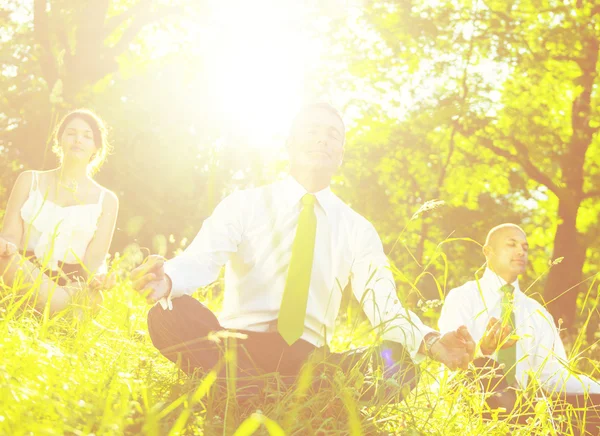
{"x":507,"y":289}
{"x":309,"y":200}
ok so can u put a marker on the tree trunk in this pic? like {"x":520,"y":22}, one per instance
{"x":564,"y":280}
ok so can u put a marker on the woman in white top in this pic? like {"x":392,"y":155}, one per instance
{"x":59,"y":224}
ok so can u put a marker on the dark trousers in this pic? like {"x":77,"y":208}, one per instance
{"x":191,"y":336}
{"x":582,"y":412}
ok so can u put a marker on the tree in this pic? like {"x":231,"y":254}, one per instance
{"x":67,"y":48}
{"x":518,"y":85}
{"x":175,"y":155}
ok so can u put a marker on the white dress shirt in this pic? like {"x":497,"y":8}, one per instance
{"x":540,"y":351}
{"x":251,"y":232}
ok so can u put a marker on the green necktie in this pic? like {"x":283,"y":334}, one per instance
{"x":295,"y":295}
{"x":508,"y":356}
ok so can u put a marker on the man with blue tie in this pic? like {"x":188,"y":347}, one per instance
{"x":517,"y":336}
{"x":289,"y":249}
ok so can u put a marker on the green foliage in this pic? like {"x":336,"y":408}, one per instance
{"x":491,"y":107}
{"x":175,"y":155}
{"x":462,"y":99}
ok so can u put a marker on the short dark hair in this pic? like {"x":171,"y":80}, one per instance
{"x":99,"y":132}
{"x":311,"y":107}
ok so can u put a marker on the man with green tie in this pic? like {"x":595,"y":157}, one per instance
{"x":289,"y":249}
{"x":517,"y":336}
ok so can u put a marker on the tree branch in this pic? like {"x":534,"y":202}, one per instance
{"x":42,"y":37}
{"x":134,"y":29}
{"x":112,"y":23}
{"x":523,"y":160}
{"x":591,"y":194}
{"x":566,"y":58}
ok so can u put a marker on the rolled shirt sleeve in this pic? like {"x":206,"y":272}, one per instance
{"x":554,"y":370}
{"x":374,"y":287}
{"x":220,"y":235}
{"x":455,"y":313}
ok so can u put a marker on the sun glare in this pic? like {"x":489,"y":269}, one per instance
{"x":260,"y":56}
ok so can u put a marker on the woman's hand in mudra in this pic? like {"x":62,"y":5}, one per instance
{"x":7,"y":248}
{"x":100,"y":282}
{"x":82,"y":296}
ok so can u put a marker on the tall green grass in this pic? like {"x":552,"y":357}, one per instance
{"x":82,"y":373}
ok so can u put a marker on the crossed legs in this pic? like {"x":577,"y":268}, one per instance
{"x":22,"y":275}
{"x":582,"y":412}
{"x":191,"y":336}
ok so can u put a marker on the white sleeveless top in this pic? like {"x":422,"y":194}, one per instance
{"x":58,"y":233}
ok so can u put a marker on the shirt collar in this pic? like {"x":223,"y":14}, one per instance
{"x":293,"y":192}
{"x":492,"y":282}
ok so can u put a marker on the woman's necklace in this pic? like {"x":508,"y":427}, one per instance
{"x":69,"y":185}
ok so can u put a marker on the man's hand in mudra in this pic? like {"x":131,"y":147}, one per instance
{"x":496,"y":336}
{"x":150,"y":280}
{"x":454,"y":349}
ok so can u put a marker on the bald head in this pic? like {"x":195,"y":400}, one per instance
{"x":497,"y":231}
{"x":506,"y":250}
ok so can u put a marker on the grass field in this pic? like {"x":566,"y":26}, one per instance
{"x":101,"y":375}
